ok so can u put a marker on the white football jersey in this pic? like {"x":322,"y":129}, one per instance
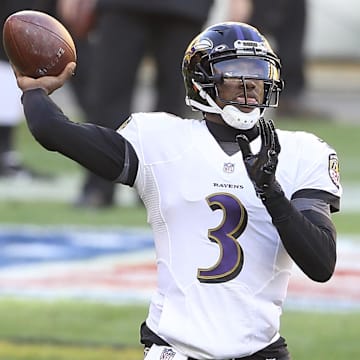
{"x":222,"y":269}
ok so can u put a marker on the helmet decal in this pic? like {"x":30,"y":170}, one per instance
{"x":203,"y":44}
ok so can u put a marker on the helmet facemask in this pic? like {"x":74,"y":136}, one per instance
{"x":245,"y":70}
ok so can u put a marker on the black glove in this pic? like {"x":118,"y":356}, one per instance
{"x":261,"y":167}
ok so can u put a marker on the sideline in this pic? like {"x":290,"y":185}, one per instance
{"x":67,"y":187}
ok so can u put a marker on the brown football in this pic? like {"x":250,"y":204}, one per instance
{"x":37,"y":44}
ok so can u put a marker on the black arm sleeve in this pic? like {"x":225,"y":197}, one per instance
{"x":308,"y":236}
{"x":99,"y":149}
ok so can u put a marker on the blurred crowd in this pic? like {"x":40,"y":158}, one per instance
{"x":114,"y":39}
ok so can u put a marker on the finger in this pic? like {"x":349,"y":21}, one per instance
{"x":262,"y":129}
{"x":275,"y":144}
{"x":271,"y":123}
{"x":58,"y":81}
{"x":68,"y":71}
{"x":244,"y":145}
{"x":265,"y":137}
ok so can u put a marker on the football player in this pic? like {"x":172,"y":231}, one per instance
{"x":232,"y":201}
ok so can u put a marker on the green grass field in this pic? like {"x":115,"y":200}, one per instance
{"x":73,"y":330}
{"x":64,"y":330}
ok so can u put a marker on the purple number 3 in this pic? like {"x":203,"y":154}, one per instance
{"x":233,"y":224}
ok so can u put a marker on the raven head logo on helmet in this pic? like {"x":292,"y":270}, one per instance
{"x":231,"y":51}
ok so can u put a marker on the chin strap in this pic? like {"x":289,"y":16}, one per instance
{"x":233,"y":116}
{"x":239,"y":119}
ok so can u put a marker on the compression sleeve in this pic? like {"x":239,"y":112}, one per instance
{"x":309,"y":236}
{"x":101,"y":150}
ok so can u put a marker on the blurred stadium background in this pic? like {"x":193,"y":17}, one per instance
{"x":74,"y":283}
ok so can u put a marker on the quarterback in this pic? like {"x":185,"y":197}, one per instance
{"x":232,"y":202}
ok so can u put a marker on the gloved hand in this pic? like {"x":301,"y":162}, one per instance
{"x":261,"y":167}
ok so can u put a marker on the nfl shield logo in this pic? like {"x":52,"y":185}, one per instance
{"x":167,"y":354}
{"x":229,"y":168}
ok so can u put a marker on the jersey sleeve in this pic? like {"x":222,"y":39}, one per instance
{"x":130,"y":130}
{"x":318,"y":166}
{"x":156,"y":138}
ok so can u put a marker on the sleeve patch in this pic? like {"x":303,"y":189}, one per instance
{"x":334,"y":169}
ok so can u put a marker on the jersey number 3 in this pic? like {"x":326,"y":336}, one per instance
{"x":233,"y":224}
